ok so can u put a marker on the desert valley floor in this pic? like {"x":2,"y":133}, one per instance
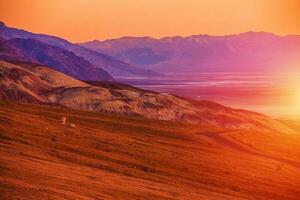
{"x":113,"y":157}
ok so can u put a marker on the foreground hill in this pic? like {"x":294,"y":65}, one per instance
{"x":57,"y":58}
{"x":246,"y":52}
{"x":27,"y":82}
{"x":99,"y":60}
{"x":113,"y":157}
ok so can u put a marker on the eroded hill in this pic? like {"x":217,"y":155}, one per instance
{"x":27,"y":82}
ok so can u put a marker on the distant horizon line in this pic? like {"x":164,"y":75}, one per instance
{"x":153,"y":37}
{"x":188,"y":36}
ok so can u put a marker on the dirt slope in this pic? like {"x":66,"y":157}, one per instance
{"x":113,"y":157}
{"x":222,"y":139}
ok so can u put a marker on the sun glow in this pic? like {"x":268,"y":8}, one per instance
{"x":293,"y":98}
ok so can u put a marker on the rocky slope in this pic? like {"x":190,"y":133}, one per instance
{"x":38,"y":84}
{"x":8,"y":52}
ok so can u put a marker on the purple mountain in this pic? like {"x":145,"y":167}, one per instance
{"x":246,"y":52}
{"x":111,"y":65}
{"x":33,"y":50}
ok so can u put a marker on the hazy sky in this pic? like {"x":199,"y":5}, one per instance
{"x":82,"y":20}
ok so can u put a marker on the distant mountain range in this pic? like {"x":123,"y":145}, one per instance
{"x":145,"y":56}
{"x":33,"y":83}
{"x":98,"y":60}
{"x":246,"y":52}
{"x":33,"y":50}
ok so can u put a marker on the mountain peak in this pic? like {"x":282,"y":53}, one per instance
{"x":2,"y":23}
{"x":257,"y":33}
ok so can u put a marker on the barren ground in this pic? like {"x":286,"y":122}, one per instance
{"x":111,"y":157}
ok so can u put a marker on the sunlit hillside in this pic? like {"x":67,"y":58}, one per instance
{"x":112,"y":157}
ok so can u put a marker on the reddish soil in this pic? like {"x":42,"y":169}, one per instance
{"x":112,"y":157}
{"x":222,"y":139}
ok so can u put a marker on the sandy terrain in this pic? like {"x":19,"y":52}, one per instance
{"x":222,"y":139}
{"x":112,"y":157}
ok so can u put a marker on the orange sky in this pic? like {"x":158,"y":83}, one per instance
{"x":82,"y":20}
